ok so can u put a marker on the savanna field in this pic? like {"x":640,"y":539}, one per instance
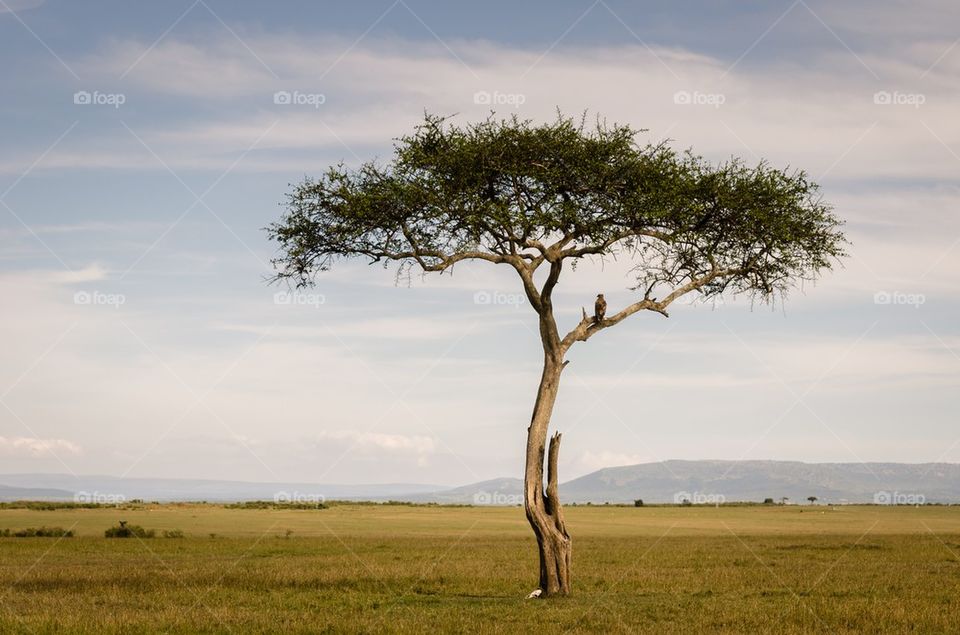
{"x":409,"y":569}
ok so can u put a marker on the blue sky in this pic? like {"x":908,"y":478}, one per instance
{"x":141,"y":339}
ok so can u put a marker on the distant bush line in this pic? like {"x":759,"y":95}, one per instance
{"x":44,"y":506}
{"x":139,"y":504}
{"x":274,"y":505}
{"x":37,"y":532}
{"x":49,"y":506}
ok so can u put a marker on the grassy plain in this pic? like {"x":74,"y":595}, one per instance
{"x":404,"y":569}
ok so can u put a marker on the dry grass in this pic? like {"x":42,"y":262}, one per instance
{"x":415,"y":569}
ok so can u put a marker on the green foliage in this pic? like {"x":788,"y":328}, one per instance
{"x":124,"y":530}
{"x":502,"y":189}
{"x":51,"y":505}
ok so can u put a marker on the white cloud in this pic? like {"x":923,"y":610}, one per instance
{"x":591,"y":461}
{"x":19,"y":5}
{"x":820,"y":116}
{"x":398,"y":442}
{"x":444,"y":327}
{"x":30,"y":447}
{"x":421,"y":447}
{"x":91,"y":273}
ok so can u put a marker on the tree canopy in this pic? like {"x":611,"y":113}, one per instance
{"x":512,"y":192}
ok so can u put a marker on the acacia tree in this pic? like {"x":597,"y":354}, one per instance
{"x":539,"y":197}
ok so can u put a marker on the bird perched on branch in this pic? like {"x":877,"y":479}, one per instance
{"x":599,"y":309}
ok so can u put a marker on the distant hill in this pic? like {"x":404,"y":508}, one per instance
{"x":32,"y":493}
{"x":662,"y":482}
{"x":498,"y":491}
{"x":164,"y":489}
{"x":756,"y":480}
{"x":709,"y":481}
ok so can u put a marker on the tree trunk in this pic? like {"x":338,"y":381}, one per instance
{"x":543,"y":506}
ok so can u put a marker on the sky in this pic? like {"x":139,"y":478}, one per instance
{"x":147,"y":145}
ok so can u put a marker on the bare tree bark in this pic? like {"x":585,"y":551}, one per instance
{"x":543,"y":508}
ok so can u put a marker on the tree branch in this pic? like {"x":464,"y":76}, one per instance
{"x":529,"y":287}
{"x":548,"y":325}
{"x":603,"y":247}
{"x":587,"y":327}
{"x":444,"y":261}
